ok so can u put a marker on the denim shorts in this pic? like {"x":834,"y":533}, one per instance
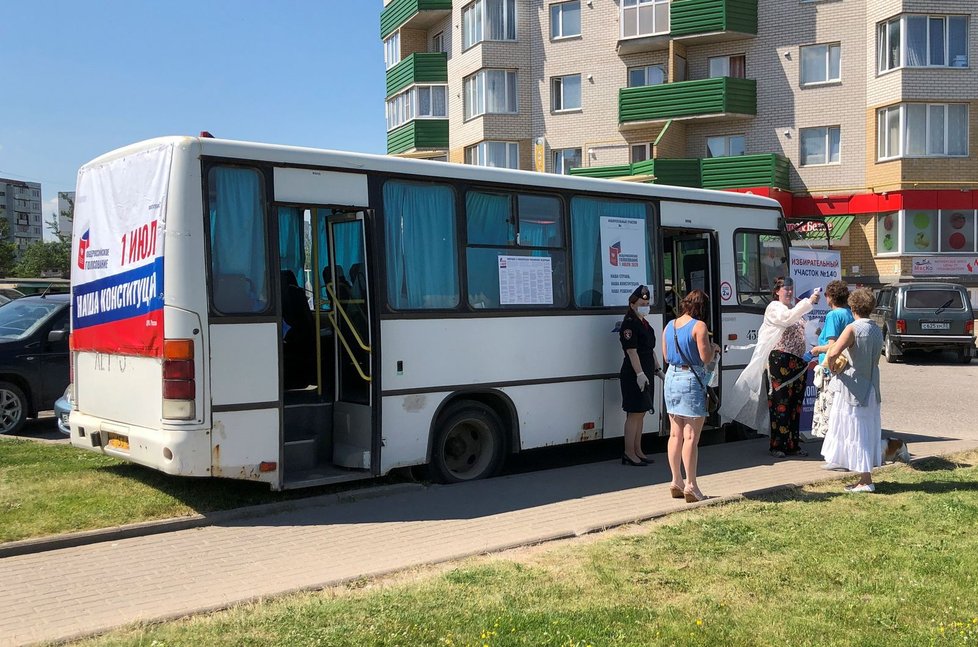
{"x":683,"y":395}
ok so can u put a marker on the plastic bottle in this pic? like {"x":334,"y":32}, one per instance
{"x":712,"y":374}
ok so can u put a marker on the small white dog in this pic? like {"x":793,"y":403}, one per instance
{"x":895,"y":450}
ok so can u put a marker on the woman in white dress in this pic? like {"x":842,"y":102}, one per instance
{"x":854,"y":440}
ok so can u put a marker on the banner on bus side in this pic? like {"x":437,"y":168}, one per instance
{"x":624,"y":265}
{"x":117,"y":254}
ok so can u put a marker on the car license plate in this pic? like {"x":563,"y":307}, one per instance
{"x":64,"y":419}
{"x":935,"y":325}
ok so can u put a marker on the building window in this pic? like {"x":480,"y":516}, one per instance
{"x":497,"y":154}
{"x":419,"y":102}
{"x":922,"y":41}
{"x":950,"y":231}
{"x":820,"y":145}
{"x":565,"y":159}
{"x":724,"y":145}
{"x":392,"y":50}
{"x":732,"y":66}
{"x":820,"y":64}
{"x":644,"y":18}
{"x":565,"y":19}
{"x":438,"y":42}
{"x":566,"y":92}
{"x":640,"y":152}
{"x":488,"y":20}
{"x":490,"y":91}
{"x":646,"y":75}
{"x":922,"y":130}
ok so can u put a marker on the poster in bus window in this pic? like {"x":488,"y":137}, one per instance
{"x":525,"y":280}
{"x":810,"y":269}
{"x":117,"y":254}
{"x":624,"y":265}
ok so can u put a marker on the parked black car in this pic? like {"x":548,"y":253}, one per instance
{"x":925,"y":316}
{"x":33,"y":357}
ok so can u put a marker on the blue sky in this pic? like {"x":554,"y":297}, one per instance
{"x":83,"y":78}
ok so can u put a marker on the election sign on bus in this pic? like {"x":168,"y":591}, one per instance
{"x":624,"y":265}
{"x":117,"y":254}
{"x":810,"y":269}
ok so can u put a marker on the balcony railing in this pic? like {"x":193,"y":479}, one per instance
{"x":420,"y":134}
{"x":688,"y":99}
{"x":417,"y":68}
{"x":414,"y":14}
{"x":738,"y":172}
{"x":713,"y":20}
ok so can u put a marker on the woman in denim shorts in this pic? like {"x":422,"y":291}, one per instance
{"x":686,"y":347}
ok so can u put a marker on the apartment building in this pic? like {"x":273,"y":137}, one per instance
{"x":20,"y":206}
{"x":862,"y":111}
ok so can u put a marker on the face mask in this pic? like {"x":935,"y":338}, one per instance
{"x":643,"y":311}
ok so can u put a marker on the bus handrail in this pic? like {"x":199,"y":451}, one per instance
{"x":349,"y":351}
{"x":339,"y":308}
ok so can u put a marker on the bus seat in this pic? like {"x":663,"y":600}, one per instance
{"x":234,"y":293}
{"x":358,"y":282}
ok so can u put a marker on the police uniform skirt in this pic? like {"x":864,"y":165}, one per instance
{"x":632,"y":399}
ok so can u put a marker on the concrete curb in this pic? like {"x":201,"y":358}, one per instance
{"x":144,"y":528}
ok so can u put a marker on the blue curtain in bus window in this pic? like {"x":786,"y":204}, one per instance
{"x":348,"y":250}
{"x":419,"y":223}
{"x":323,"y":269}
{"x":541,"y":221}
{"x":237,"y":239}
{"x":489,"y":219}
{"x":290,"y":242}
{"x":586,"y":214}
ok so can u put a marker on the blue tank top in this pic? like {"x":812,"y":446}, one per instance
{"x":686,"y":342}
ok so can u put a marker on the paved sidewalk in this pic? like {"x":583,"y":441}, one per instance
{"x":73,"y":592}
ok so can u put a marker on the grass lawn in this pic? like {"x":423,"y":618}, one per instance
{"x":814,"y":566}
{"x":48,"y":489}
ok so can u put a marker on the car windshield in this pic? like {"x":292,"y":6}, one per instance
{"x":934,"y":299}
{"x":21,"y":317}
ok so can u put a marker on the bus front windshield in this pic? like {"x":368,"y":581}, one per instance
{"x":760,"y":258}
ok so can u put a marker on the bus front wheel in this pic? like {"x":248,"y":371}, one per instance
{"x":469,"y":443}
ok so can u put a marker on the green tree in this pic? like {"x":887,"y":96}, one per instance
{"x":44,"y":259}
{"x":8,"y":250}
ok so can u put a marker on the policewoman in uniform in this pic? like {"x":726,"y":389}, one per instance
{"x":637,"y":368}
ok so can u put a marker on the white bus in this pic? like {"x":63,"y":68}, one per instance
{"x":301,"y":317}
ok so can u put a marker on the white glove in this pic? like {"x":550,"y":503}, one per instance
{"x":642,"y":381}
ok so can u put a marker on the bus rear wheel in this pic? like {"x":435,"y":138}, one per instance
{"x":469,"y":443}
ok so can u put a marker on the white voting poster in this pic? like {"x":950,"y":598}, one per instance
{"x":525,"y":280}
{"x":624,"y":265}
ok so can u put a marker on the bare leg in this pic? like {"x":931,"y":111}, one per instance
{"x":691,"y":438}
{"x":865,"y":478}
{"x":675,"y":450}
{"x":633,"y":434}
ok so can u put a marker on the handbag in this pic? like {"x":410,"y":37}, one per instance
{"x":712,"y":399}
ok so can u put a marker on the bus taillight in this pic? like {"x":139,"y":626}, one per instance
{"x":179,"y":388}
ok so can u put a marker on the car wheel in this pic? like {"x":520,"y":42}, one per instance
{"x":888,"y":348}
{"x":13,"y":408}
{"x":469,"y":443}
{"x":965,"y":356}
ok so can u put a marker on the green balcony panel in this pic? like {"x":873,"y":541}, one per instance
{"x":676,"y":172}
{"x":620,"y":170}
{"x":691,"y":17}
{"x":688,"y":99}
{"x":744,"y":171}
{"x":399,"y":12}
{"x":417,"y":68}
{"x":418,"y":134}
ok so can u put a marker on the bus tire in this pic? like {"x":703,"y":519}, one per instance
{"x":469,"y":444}
{"x":13,"y":408}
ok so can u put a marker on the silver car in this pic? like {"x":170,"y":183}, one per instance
{"x":62,"y":407}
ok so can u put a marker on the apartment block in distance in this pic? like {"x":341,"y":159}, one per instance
{"x":20,"y":206}
{"x":861,"y":111}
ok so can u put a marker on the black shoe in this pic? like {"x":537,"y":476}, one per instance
{"x":625,"y":460}
{"x":646,"y":460}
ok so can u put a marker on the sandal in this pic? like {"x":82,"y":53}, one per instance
{"x":676,"y":492}
{"x":693,"y":495}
